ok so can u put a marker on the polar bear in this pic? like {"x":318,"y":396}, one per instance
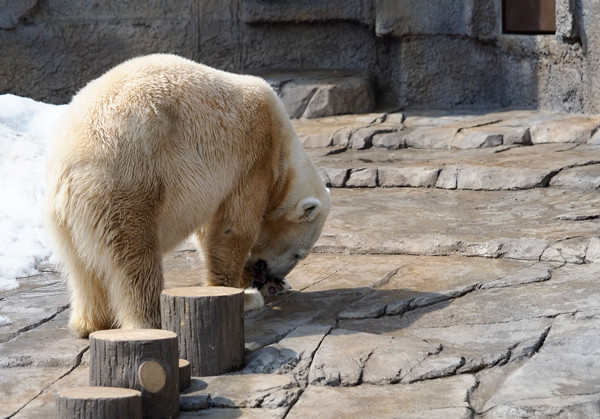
{"x":157,"y":149}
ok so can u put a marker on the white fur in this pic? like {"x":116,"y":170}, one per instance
{"x":253,"y":299}
{"x":161,"y":147}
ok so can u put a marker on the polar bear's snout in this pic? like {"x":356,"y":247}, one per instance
{"x":262,"y":274}
{"x":259,"y":273}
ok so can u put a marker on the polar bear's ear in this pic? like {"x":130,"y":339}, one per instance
{"x":308,"y":208}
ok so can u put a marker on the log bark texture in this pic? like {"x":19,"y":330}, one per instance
{"x":98,"y":403}
{"x":209,"y":323}
{"x":185,"y":375}
{"x":140,"y":359}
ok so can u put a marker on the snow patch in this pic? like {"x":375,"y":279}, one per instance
{"x":25,"y":130}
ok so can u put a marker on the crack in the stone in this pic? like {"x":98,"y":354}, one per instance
{"x":560,"y":251}
{"x":415,"y":366}
{"x":304,"y":383}
{"x":335,"y":151}
{"x":480,"y":124}
{"x":470,"y":393}
{"x":443,"y":297}
{"x":76,"y":364}
{"x":434,"y":375}
{"x":584,"y":217}
{"x":507,"y":357}
{"x":545,"y":316}
{"x":437,"y":351}
{"x":325,"y":277}
{"x":44,"y":320}
{"x":546,"y":179}
{"x":476,"y":125}
{"x":489,"y":284}
{"x":305,"y":103}
{"x":573,"y":147}
{"x":507,"y":147}
{"x":542,"y":339}
{"x":386,"y":278}
{"x":362,"y":363}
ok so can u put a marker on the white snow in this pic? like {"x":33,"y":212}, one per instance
{"x":25,"y":129}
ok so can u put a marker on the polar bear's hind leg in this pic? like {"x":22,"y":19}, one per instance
{"x":90,"y":309}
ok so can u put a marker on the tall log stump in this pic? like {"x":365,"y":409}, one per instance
{"x":209,"y":323}
{"x":140,"y":359}
{"x":98,"y":403}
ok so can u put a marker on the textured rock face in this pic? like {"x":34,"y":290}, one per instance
{"x":315,"y":94}
{"x":14,"y":11}
{"x":405,"y":17}
{"x":429,"y":53}
{"x":261,"y":11}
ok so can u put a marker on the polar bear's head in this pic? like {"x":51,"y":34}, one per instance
{"x":286,"y":239}
{"x":298,"y":205}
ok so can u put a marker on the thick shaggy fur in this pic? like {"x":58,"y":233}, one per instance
{"x":161,"y":147}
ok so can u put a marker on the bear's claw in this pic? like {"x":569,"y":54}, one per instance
{"x":267,"y":284}
{"x":275,"y":287}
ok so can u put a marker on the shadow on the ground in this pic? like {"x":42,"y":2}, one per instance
{"x":341,"y":308}
{"x":199,"y":399}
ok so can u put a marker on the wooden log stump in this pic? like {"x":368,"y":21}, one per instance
{"x":98,"y":403}
{"x":185,"y":375}
{"x":140,"y":359}
{"x":209,"y":323}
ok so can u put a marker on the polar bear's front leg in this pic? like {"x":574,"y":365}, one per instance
{"x":253,"y":300}
{"x":226,"y":267}
{"x":226,"y":240}
{"x":225,"y":252}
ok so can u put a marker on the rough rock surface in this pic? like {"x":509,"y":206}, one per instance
{"x":455,"y":282}
{"x":426,"y":53}
{"x":315,"y":94}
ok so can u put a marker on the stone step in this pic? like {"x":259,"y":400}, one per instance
{"x":504,"y":150}
{"x":448,"y":130}
{"x":545,"y":224}
{"x":555,"y":165}
{"x":322,"y":93}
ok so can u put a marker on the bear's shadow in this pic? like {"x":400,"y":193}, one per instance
{"x":385,"y":311}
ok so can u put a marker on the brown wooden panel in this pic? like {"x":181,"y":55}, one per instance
{"x":529,"y":16}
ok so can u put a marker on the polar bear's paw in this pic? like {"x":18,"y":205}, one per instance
{"x":275,"y":287}
{"x":81,"y":328}
{"x":267,"y":284}
{"x":253,"y":299}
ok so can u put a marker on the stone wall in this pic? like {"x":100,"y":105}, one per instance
{"x":425,"y":53}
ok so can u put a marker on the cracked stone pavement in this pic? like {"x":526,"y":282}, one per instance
{"x":457,"y":277}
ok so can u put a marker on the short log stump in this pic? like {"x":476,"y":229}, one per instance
{"x":141,"y":359}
